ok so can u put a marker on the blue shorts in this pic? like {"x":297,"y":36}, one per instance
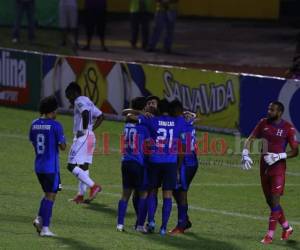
{"x":49,"y":182}
{"x":134,"y":176}
{"x":187,"y":174}
{"x":163,"y":175}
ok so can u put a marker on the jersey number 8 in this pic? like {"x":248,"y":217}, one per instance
{"x":40,"y":142}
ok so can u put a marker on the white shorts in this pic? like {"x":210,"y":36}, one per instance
{"x":82,"y":149}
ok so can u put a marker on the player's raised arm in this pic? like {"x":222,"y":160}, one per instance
{"x":130,"y":111}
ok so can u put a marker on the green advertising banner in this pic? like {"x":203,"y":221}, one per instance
{"x":46,"y":13}
{"x":20,"y":79}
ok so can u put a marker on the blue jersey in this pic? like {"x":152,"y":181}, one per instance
{"x":190,"y":140}
{"x":134,"y":137}
{"x":46,"y":135}
{"x":165,"y":132}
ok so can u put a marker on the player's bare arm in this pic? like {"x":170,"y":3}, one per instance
{"x":98,"y":121}
{"x":85,"y":121}
{"x":62,"y":146}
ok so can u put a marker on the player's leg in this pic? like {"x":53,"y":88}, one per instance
{"x":273,"y":187}
{"x":169,"y":177}
{"x":278,"y":184}
{"x":154,"y":179}
{"x":135,"y":201}
{"x":142,"y":187}
{"x":142,"y":211}
{"x":81,"y":153}
{"x":122,"y":208}
{"x":50,"y":185}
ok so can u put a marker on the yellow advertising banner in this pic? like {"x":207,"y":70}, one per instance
{"x":213,"y":96}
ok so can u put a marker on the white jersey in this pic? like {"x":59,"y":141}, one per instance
{"x":81,"y":104}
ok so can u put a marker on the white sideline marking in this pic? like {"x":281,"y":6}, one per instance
{"x":215,"y":185}
{"x":208,"y":210}
{"x":237,"y":184}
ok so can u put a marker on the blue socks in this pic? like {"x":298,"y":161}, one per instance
{"x":166,"y":212}
{"x":142,"y":212}
{"x":135,"y":202}
{"x":182,"y":215}
{"x":122,"y":207}
{"x":45,"y":211}
{"x":152,"y":205}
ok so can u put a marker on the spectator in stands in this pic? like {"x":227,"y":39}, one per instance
{"x":140,"y":16}
{"x":165,"y":17}
{"x":27,"y":6}
{"x":68,"y":20}
{"x":95,"y":18}
{"x":81,"y":16}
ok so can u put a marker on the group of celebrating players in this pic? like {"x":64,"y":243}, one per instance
{"x":160,"y":151}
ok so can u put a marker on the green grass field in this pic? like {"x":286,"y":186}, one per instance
{"x":227,"y":207}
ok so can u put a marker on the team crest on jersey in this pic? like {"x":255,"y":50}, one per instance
{"x":279,"y":132}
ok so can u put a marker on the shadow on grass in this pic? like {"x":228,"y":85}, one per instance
{"x":192,"y":242}
{"x":71,"y":243}
{"x":106,"y":210}
{"x":292,"y":244}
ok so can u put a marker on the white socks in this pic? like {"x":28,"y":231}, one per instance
{"x":83,"y":176}
{"x":82,"y":187}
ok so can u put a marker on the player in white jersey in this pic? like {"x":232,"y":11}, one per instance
{"x":87,"y":117}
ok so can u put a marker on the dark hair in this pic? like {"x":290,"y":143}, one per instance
{"x":47,"y":105}
{"x":73,"y":87}
{"x":138,"y":103}
{"x":279,"y":105}
{"x":163,"y":106}
{"x":151,"y":97}
{"x":175,"y":107}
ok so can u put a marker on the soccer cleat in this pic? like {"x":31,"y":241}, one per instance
{"x":120,"y":228}
{"x":78,"y":199}
{"x":287,"y":233}
{"x":38,"y":224}
{"x":188,"y":225}
{"x":150,"y":227}
{"x":176,"y":230}
{"x":94,"y":191}
{"x":267,"y":240}
{"x":162,"y":232}
{"x":141,"y":229}
{"x":47,"y":233}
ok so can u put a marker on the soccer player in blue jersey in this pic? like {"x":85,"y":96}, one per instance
{"x":188,"y":170}
{"x":165,"y":132}
{"x":151,"y":108}
{"x":134,"y":168}
{"x":47,"y":138}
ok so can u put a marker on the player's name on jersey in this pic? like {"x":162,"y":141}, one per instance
{"x":166,"y":123}
{"x":41,"y":127}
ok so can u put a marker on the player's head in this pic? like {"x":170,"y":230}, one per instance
{"x":138,"y":103}
{"x":164,"y":107}
{"x":275,"y":110}
{"x":152,"y":104}
{"x":72,"y":92}
{"x":48,"y":107}
{"x":175,"y":108}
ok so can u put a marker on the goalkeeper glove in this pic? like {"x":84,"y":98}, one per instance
{"x":246,"y":160}
{"x":271,"y":158}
